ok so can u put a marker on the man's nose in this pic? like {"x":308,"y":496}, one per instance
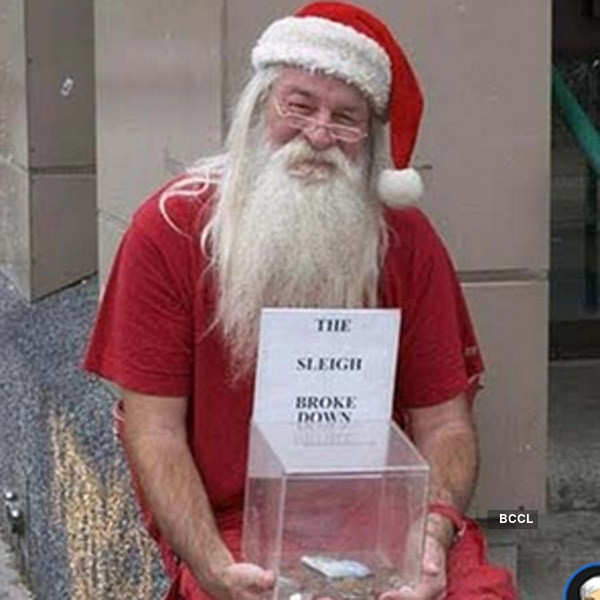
{"x":319,"y":136}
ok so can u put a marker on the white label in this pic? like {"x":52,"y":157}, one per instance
{"x":326,"y":366}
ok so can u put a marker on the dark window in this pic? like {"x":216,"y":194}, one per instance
{"x":591,"y":8}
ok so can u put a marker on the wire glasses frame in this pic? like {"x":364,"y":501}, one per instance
{"x":343,"y":133}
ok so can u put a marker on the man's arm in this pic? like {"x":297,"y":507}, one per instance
{"x":156,"y":441}
{"x":446,"y":437}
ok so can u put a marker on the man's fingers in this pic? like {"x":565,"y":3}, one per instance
{"x":433,"y":557}
{"x":399,"y":596}
{"x":250,"y":578}
{"x":413,"y":595}
{"x":428,"y":590}
{"x":249,"y":595}
{"x":404,"y":593}
{"x":433,"y":582}
{"x":432,"y":567}
{"x":265,"y":580}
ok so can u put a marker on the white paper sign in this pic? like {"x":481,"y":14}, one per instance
{"x":326,"y":366}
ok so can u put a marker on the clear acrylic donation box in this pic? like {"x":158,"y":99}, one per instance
{"x":336,"y":511}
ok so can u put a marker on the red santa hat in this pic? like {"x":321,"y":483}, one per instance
{"x":352,"y":44}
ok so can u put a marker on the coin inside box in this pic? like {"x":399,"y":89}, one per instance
{"x":335,"y":510}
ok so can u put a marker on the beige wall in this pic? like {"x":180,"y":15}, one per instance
{"x":159,"y":73}
{"x":47,"y":149}
{"x":166,"y":70}
{"x":14,"y":157}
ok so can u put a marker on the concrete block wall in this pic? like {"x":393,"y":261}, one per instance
{"x":159,"y":73}
{"x":14,"y":158}
{"x":47,"y":145}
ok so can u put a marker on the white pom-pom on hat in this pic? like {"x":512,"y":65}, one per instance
{"x":399,"y":187}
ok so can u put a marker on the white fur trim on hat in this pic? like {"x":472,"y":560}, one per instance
{"x":315,"y":43}
{"x":397,"y":187}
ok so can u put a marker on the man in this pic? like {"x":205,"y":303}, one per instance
{"x":293,"y":214}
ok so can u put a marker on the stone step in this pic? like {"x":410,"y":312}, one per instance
{"x":549,"y":555}
{"x":573,"y":437}
{"x":502,"y":548}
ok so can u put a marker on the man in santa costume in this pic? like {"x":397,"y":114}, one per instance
{"x":309,"y":206}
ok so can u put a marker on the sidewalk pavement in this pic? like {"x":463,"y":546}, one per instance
{"x":11,"y":587}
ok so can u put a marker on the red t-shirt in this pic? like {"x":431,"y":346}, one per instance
{"x":151,"y":336}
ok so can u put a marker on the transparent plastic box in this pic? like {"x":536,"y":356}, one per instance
{"x":336,"y":511}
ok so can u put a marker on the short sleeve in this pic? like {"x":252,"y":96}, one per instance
{"x":439,"y":356}
{"x":143,"y":335}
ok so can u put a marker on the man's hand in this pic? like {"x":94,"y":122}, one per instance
{"x":445,"y":435}
{"x":433,"y":576}
{"x":243,"y":581}
{"x":155,"y":436}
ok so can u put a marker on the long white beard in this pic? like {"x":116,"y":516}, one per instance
{"x":307,"y":236}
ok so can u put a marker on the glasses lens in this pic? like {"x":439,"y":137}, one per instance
{"x":298,"y":121}
{"x":338,"y":132}
{"x":346,"y":134}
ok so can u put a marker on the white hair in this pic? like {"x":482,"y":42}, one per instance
{"x":224,"y":171}
{"x":229,"y":170}
{"x":229,"y":175}
{"x":589,"y":587}
{"x":216,"y":237}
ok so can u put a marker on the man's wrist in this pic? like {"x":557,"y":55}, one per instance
{"x":445,"y":523}
{"x":211,"y":570}
{"x":441,"y":529}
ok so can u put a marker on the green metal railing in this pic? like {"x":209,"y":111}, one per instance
{"x":588,"y":139}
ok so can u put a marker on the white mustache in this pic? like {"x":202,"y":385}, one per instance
{"x":299,"y":157}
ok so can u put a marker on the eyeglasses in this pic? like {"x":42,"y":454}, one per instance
{"x":343,"y":133}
